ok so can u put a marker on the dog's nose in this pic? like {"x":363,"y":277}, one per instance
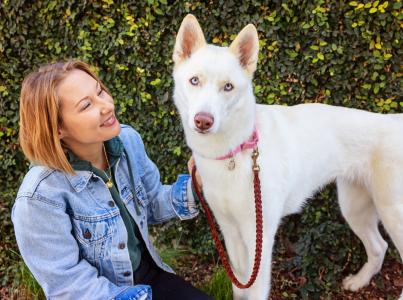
{"x":204,"y":121}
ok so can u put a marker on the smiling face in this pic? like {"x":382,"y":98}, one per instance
{"x":87,"y":111}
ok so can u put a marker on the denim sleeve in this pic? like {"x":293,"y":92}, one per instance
{"x":43,"y":232}
{"x":167,"y":201}
{"x":139,"y":292}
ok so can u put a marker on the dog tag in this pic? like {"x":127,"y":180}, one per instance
{"x":231,"y":164}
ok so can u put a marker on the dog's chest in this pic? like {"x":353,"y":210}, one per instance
{"x":229,"y":193}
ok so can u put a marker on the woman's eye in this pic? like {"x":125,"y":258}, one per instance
{"x":228,"y":87}
{"x":194,"y":80}
{"x":85,"y":106}
{"x":100,"y":92}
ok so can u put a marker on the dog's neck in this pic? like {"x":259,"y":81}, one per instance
{"x":238,"y":130}
{"x":251,"y":143}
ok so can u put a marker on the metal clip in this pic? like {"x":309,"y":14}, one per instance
{"x":255,"y":154}
{"x":231,"y":164}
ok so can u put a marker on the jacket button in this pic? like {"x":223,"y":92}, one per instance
{"x":87,"y":234}
{"x":127,"y":274}
{"x":122,"y":245}
{"x":111,"y":203}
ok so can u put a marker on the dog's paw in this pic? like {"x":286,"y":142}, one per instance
{"x":355,"y":282}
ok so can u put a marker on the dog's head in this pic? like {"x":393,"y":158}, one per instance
{"x":213,"y":85}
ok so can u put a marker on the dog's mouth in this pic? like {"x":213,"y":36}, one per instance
{"x":206,"y":131}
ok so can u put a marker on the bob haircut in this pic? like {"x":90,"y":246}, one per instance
{"x":40,"y":114}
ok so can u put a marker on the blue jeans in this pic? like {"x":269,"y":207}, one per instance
{"x":165,"y":285}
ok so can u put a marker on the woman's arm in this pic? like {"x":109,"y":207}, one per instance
{"x":165,"y":201}
{"x":44,"y":236}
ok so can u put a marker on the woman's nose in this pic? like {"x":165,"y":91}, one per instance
{"x":106,"y":106}
{"x":105,"y":110}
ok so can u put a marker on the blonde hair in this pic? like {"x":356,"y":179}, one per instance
{"x":40,"y":114}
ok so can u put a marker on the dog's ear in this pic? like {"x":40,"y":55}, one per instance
{"x":190,"y":38}
{"x":246,"y":48}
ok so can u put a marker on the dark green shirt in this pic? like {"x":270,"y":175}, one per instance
{"x":114,"y":150}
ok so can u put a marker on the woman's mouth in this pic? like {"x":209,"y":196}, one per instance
{"x":109,"y":122}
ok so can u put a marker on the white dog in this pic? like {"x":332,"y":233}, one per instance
{"x":302,"y":148}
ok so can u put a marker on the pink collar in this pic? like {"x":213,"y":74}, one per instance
{"x":249,"y":144}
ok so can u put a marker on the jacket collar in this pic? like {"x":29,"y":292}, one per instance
{"x":79,"y":180}
{"x":114,"y":150}
{"x":84,"y":170}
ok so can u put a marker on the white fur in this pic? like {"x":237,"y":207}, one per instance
{"x":302,"y":148}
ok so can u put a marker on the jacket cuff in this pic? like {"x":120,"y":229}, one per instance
{"x":137,"y":292}
{"x":183,"y":201}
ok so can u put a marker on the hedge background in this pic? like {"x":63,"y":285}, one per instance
{"x":335,"y":52}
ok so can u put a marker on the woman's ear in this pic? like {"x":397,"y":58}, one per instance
{"x":61,"y":133}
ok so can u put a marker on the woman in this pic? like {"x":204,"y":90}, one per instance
{"x":82,"y":210}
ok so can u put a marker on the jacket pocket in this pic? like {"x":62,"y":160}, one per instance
{"x":93,"y":235}
{"x":141,"y":195}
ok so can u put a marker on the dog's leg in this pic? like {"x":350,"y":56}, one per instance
{"x":388,"y":199}
{"x":359,"y":211}
{"x":237,"y":253}
{"x":240,"y":261}
{"x":391,"y":217}
{"x":261,"y":287}
{"x":236,"y":250}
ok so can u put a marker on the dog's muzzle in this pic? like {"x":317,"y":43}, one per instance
{"x":203,"y":121}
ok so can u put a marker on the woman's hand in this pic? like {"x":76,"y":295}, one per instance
{"x":191,"y":163}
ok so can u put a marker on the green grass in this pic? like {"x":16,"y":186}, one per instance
{"x":29,"y":284}
{"x":170,"y":255}
{"x":25,"y":286}
{"x":219,"y":286}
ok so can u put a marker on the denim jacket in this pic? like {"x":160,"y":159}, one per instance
{"x":68,"y":227}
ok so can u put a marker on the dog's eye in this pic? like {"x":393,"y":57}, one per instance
{"x":194,"y":80}
{"x":228,"y":87}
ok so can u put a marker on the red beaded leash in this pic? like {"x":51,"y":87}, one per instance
{"x":259,"y":226}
